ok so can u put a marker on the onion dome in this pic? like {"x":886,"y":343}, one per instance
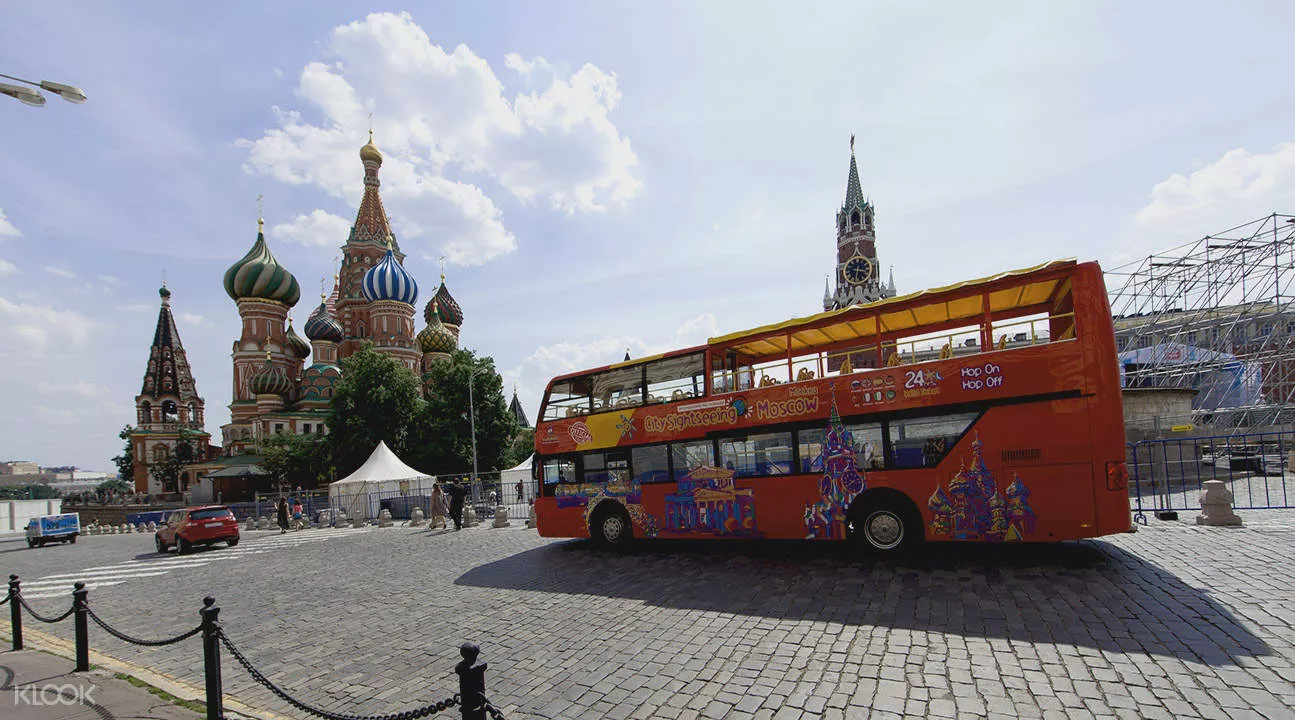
{"x":321,"y":325}
{"x":258,"y":275}
{"x":270,"y":380}
{"x":1017,"y":490}
{"x":388,"y":280}
{"x":370,"y":152}
{"x":445,"y":305}
{"x":298,"y":347}
{"x":436,"y":338}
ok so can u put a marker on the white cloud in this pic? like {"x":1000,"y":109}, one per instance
{"x":187,"y":319}
{"x":112,"y":280}
{"x":59,"y":272}
{"x":31,"y":330}
{"x":79,"y":388}
{"x":7,"y":268}
{"x":1239,"y":186}
{"x":556,"y":145}
{"x":319,"y":229}
{"x":6,"y":228}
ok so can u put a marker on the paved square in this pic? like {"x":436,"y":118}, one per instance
{"x":1172,"y":622}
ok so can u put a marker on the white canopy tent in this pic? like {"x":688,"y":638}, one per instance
{"x":508,"y":478}
{"x":383,"y":475}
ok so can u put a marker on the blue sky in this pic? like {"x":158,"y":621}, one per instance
{"x":601,"y":175}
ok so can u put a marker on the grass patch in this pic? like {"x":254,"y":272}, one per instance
{"x":195,"y":706}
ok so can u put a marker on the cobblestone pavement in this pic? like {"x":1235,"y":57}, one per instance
{"x":1175,"y":621}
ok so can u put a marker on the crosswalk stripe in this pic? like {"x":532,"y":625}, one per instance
{"x":56,"y":592}
{"x":88,"y":577}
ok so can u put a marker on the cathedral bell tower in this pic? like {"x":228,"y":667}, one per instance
{"x":858,"y":278}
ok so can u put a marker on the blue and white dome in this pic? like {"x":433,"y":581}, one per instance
{"x":388,"y":281}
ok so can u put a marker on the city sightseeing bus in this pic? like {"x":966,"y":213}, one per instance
{"x":984,"y":411}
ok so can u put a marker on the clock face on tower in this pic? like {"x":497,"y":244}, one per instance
{"x":858,"y":270}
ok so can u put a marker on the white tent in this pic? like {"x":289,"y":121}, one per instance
{"x":508,"y":478}
{"x":383,"y":475}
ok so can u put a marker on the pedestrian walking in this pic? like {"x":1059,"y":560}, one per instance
{"x":520,"y":498}
{"x":457,"y":492}
{"x":439,"y":508}
{"x":298,"y":515}
{"x":283,"y":515}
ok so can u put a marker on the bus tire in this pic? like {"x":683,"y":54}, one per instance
{"x":886,"y":524}
{"x":610,"y":525}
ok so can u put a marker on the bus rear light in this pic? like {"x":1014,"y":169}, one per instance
{"x":1117,"y":475}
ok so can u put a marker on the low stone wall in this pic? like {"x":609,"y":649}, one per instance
{"x":112,"y":514}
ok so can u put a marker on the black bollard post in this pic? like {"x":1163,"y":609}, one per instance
{"x":15,"y":612}
{"x":80,"y":617}
{"x":211,"y":658}
{"x":472,"y":683}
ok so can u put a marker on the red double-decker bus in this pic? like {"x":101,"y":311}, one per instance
{"x":984,"y":411}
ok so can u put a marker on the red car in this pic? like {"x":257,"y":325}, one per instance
{"x":205,"y":525}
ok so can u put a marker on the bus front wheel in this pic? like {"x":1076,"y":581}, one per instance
{"x":611,"y":526}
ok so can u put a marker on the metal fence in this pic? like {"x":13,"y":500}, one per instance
{"x":485,"y":495}
{"x":1167,"y":474}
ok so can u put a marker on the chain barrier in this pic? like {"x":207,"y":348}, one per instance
{"x":136,"y":641}
{"x":43,"y":619}
{"x":424,"y":711}
{"x":5,"y":601}
{"x":495,"y":714}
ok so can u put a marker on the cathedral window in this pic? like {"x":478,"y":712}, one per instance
{"x":145,"y":413}
{"x":854,"y":219}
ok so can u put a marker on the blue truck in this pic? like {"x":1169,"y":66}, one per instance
{"x":53,"y":528}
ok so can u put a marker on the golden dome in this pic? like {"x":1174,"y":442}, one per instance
{"x":370,"y":151}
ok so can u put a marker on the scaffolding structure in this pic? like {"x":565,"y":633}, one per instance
{"x":1216,"y":315}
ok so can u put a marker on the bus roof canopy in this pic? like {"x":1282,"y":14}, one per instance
{"x":1007,"y":291}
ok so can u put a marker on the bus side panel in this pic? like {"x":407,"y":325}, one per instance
{"x":1106,"y":402}
{"x":554,"y":522}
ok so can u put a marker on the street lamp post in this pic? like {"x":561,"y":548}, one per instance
{"x":31,"y":97}
{"x":472,"y":418}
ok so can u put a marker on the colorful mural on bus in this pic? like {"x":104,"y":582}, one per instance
{"x":972,"y":508}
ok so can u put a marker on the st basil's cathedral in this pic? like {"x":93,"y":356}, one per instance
{"x":274,"y":389}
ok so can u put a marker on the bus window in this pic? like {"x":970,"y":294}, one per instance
{"x":651,"y":464}
{"x":867,"y":445}
{"x":689,"y":456}
{"x":757,"y":455}
{"x":923,"y":442}
{"x":619,"y":388}
{"x":677,"y":378}
{"x":605,"y":468}
{"x":810,"y":448}
{"x":559,"y":470}
{"x":568,"y":398}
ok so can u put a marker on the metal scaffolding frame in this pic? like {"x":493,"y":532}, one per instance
{"x":1216,"y":315}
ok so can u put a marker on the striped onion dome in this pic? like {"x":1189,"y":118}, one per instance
{"x":258,"y":275}
{"x":321,"y":325}
{"x":445,"y":305}
{"x":436,"y":338}
{"x":298,"y":347}
{"x":388,"y":280}
{"x":270,"y":380}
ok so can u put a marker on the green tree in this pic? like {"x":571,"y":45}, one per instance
{"x":167,"y":472}
{"x":34,"y":491}
{"x":446,"y":429}
{"x":520,"y":447}
{"x":376,"y":399}
{"x":126,"y":460}
{"x":296,"y":460}
{"x":116,"y":485}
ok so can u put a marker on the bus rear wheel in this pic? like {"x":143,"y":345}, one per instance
{"x":886,"y":526}
{"x":611,"y":526}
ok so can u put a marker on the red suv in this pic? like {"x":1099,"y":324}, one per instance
{"x":204,"y":525}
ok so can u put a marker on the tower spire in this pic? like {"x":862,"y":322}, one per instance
{"x":853,"y":188}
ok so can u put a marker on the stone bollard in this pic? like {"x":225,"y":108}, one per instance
{"x":262,"y":522}
{"x":384,"y":518}
{"x":530,"y":519}
{"x":140,"y":528}
{"x":357,"y":523}
{"x":250,"y":524}
{"x":416,"y":517}
{"x":125,"y":529}
{"x":501,"y":517}
{"x":1216,"y":505}
{"x":469,"y":516}
{"x":339,"y":519}
{"x":152,"y":526}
